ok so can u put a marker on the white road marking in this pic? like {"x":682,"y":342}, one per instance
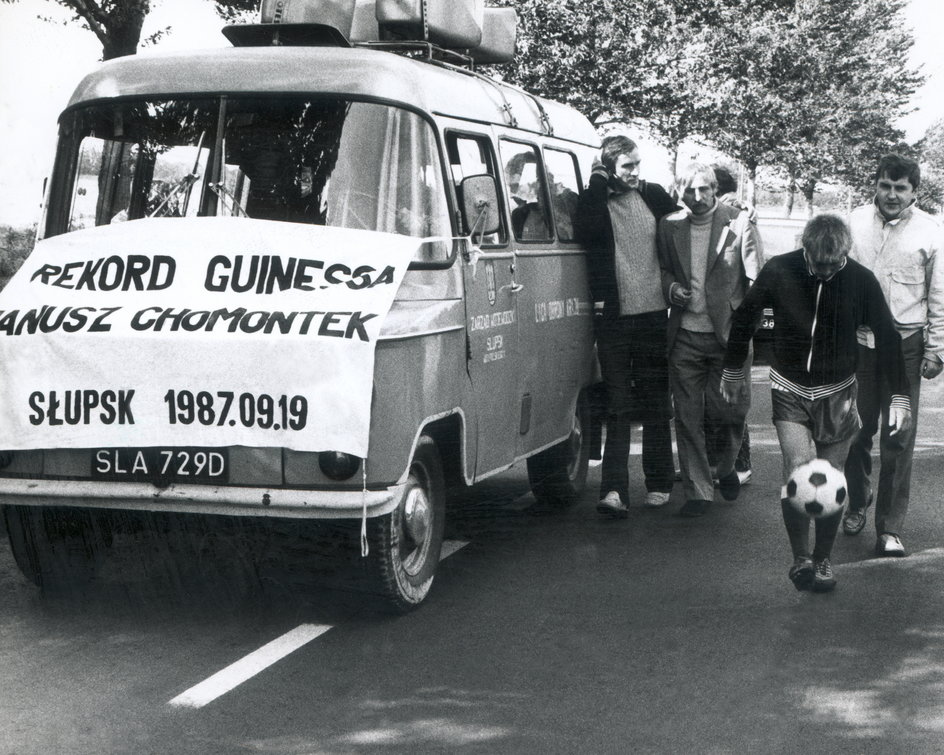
{"x":259,"y":660}
{"x":451,"y":546}
{"x":931,"y":556}
{"x":245,"y":668}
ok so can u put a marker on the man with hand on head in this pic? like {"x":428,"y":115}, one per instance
{"x":616,"y":221}
{"x":901,"y":245}
{"x":820,"y":298}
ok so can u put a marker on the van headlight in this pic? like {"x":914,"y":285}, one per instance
{"x":337,"y":465}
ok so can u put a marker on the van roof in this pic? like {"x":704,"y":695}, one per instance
{"x":355,"y":72}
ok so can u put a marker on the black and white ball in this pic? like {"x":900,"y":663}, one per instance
{"x":817,"y":489}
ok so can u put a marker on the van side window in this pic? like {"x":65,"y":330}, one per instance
{"x":563,"y":181}
{"x":524,"y":183}
{"x":471,"y":155}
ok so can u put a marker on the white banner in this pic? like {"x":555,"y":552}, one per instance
{"x":196,"y":332}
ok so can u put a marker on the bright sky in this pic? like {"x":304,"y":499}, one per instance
{"x":40,"y":64}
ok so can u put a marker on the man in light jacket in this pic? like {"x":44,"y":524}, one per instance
{"x":709,"y":253}
{"x":901,"y":245}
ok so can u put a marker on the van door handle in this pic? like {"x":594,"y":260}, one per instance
{"x":512,"y":287}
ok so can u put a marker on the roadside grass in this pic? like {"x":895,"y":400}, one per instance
{"x":15,"y":246}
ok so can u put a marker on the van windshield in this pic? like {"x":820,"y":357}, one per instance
{"x":294,"y":159}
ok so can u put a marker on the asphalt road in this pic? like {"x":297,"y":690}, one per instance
{"x":544,"y":634}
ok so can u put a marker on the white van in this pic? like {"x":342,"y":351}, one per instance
{"x":302,"y":277}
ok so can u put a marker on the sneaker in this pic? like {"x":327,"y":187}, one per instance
{"x":801,"y":573}
{"x":853,"y":521}
{"x":889,"y":546}
{"x":730,"y":486}
{"x":744,"y":476}
{"x":694,"y":507}
{"x":612,"y":505}
{"x":823,"y":579}
{"x":655,"y":499}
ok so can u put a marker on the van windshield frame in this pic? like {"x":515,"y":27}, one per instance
{"x":290,"y":158}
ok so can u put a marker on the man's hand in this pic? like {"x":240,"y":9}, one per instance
{"x":899,"y":420}
{"x":931,"y":368}
{"x":679,"y":296}
{"x":731,"y":390}
{"x":599,"y":169}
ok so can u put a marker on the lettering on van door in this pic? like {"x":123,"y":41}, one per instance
{"x":495,"y":320}
{"x":490,"y":282}
{"x":493,"y":348}
{"x":494,"y":343}
{"x":556,"y":309}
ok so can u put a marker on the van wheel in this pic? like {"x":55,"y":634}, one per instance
{"x":405,"y":544}
{"x":53,"y":547}
{"x":558,"y":475}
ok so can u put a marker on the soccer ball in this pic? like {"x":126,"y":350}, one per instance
{"x":817,"y":489}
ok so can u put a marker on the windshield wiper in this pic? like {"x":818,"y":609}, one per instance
{"x":223,"y":193}
{"x":184,"y":184}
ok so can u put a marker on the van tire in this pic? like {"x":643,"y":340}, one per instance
{"x":53,"y":547}
{"x":404,"y":551}
{"x":558,"y":475}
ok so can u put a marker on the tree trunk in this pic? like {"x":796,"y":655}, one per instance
{"x":809,"y":189}
{"x":125,"y":33}
{"x":791,"y":196}
{"x":673,"y":161}
{"x":751,"y":170}
{"x":118,"y":28}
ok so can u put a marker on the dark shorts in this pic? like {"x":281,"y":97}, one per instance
{"x":830,"y":419}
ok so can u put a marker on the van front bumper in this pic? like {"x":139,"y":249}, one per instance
{"x":202,"y":499}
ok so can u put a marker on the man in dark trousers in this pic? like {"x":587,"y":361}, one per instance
{"x":616,"y":220}
{"x":820,"y":298}
{"x":903,"y":247}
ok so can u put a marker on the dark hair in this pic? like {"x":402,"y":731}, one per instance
{"x":827,"y":237}
{"x":727,"y":183}
{"x":613,"y":147}
{"x":897,"y":166}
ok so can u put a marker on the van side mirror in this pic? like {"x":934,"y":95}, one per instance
{"x":479,"y":205}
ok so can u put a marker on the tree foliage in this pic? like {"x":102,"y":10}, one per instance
{"x":809,"y":87}
{"x":930,"y":153}
{"x":117,"y":24}
{"x":812,"y":87}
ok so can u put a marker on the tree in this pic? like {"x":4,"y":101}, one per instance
{"x":629,"y":60}
{"x":118,"y":23}
{"x":583,"y":53}
{"x":930,"y":153}
{"x":815,"y":88}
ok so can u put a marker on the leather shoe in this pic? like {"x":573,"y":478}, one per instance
{"x":730,"y":486}
{"x":889,"y":546}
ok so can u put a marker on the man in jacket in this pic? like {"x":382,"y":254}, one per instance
{"x":616,"y":221}
{"x":820,"y":298}
{"x":709,"y":254}
{"x":901,"y":245}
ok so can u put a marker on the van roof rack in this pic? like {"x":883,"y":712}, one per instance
{"x":323,"y":35}
{"x":289,"y":35}
{"x":427,"y":51}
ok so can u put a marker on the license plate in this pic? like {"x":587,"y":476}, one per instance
{"x":161,"y":466}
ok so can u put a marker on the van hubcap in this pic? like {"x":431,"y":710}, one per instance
{"x":417,"y":515}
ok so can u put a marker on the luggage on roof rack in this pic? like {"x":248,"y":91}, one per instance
{"x":459,"y":27}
